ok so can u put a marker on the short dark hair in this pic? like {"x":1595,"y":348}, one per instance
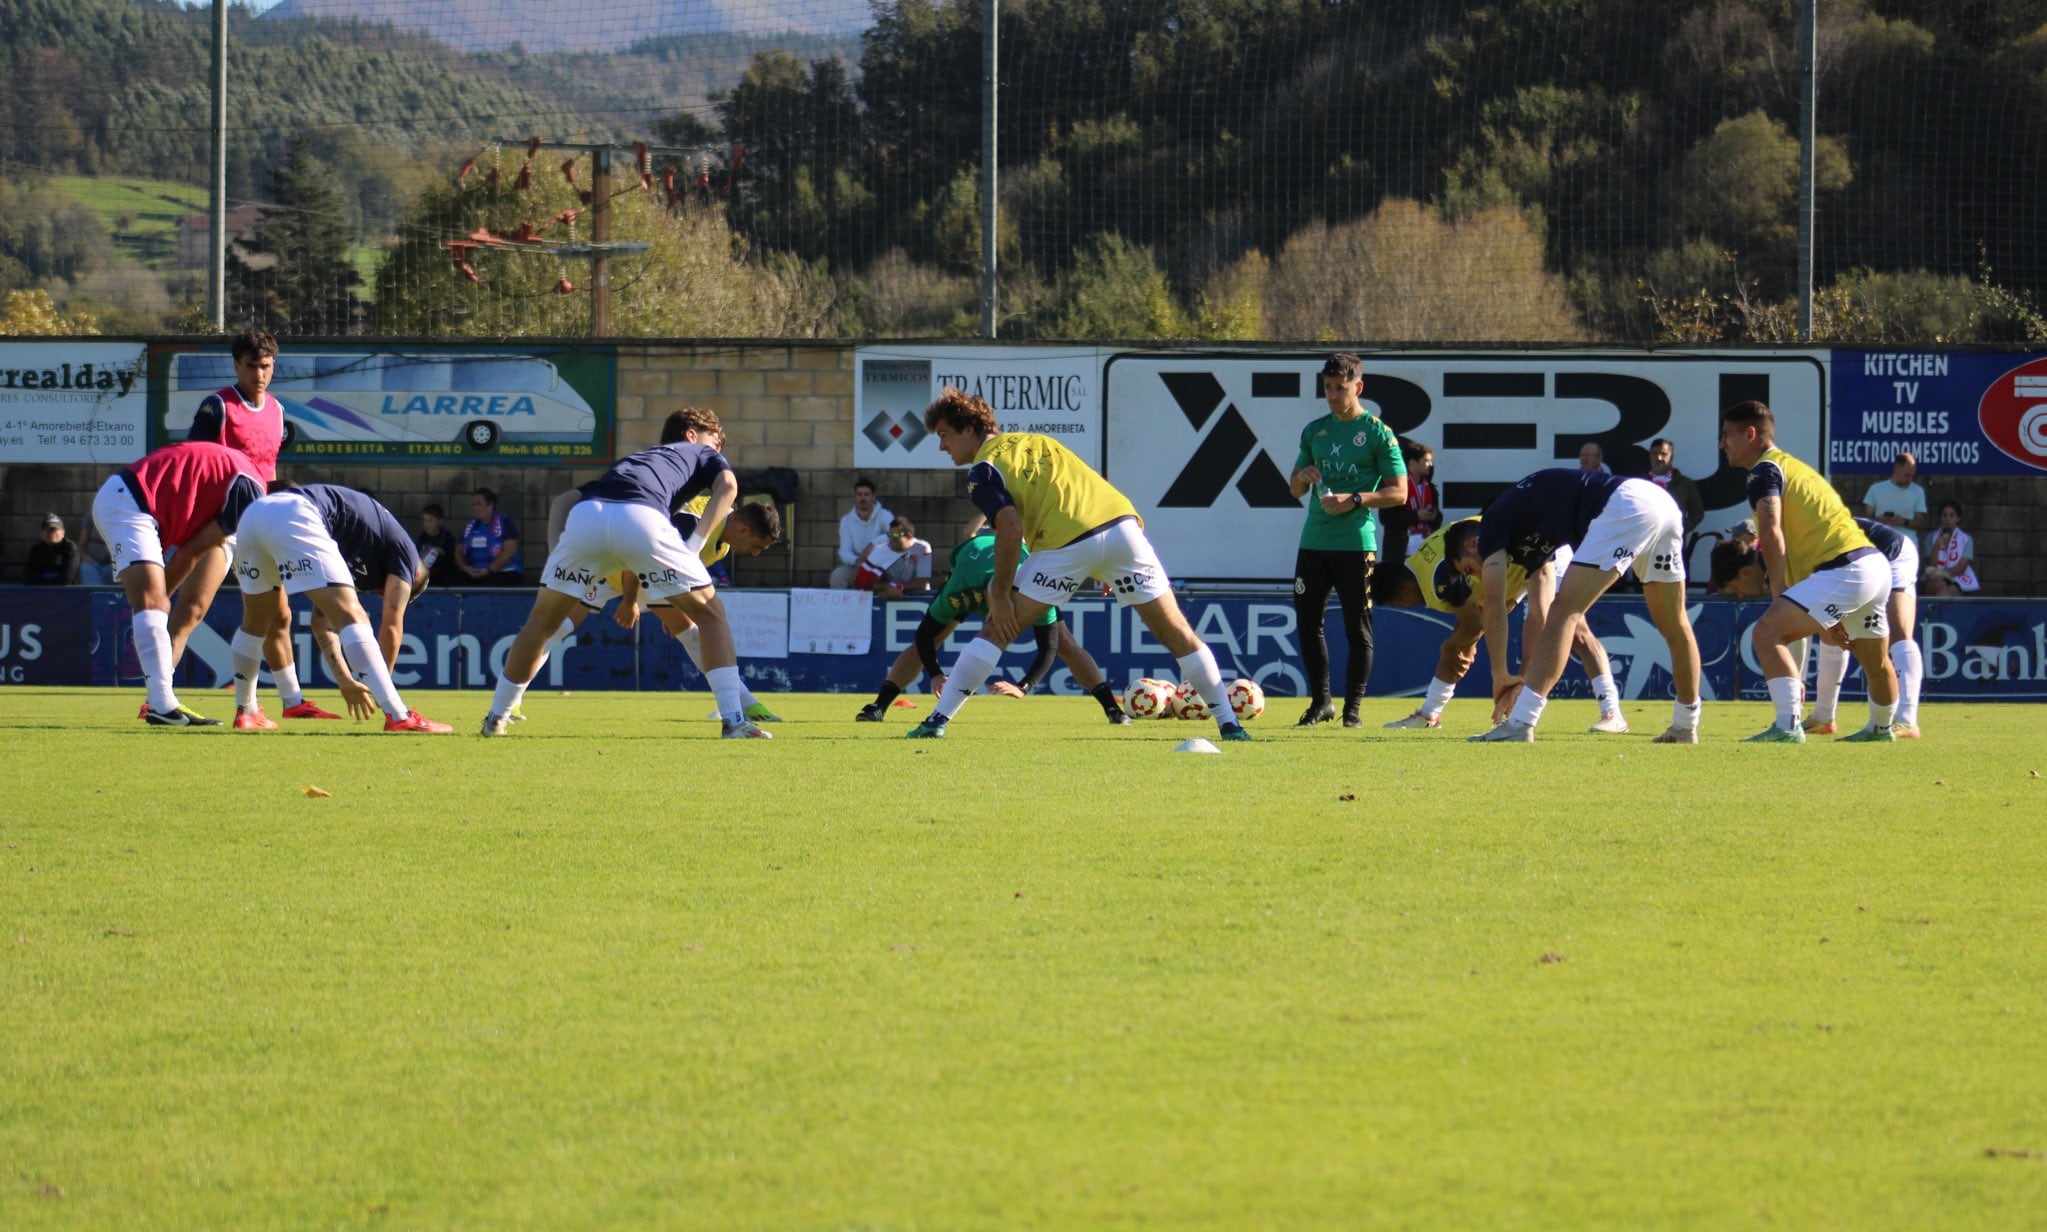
{"x":762,"y":517}
{"x":1750,"y":412}
{"x":1905,"y":455}
{"x":962,"y":412}
{"x":433,"y":510}
{"x":486,"y":494}
{"x":863,"y":482}
{"x":1729,"y":559}
{"x":1459,"y":535}
{"x":907,"y":524}
{"x":1662,"y":440}
{"x":1948,"y":504}
{"x":702,"y":419}
{"x":253,"y":342}
{"x":1345,"y":364}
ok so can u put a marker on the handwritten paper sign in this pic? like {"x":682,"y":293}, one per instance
{"x":760,"y":623}
{"x":831,"y":621}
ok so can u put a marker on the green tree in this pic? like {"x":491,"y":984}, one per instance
{"x":1739,"y":188}
{"x":297,"y":277}
{"x":800,"y":127}
{"x":30,"y":313}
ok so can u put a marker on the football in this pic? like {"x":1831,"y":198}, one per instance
{"x":1148,"y":699}
{"x":1247,"y":699}
{"x":1190,"y":704}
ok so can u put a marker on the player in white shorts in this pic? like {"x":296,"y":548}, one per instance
{"x":1610,"y":524}
{"x":622,"y":523}
{"x":1901,"y":615}
{"x":301,"y":539}
{"x":1444,"y":589}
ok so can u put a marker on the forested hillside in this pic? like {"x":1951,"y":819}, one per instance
{"x":1297,"y":169}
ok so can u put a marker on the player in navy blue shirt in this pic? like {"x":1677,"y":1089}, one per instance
{"x":623,"y":523}
{"x":1610,"y":524}
{"x":1901,"y":610}
{"x":309,"y":541}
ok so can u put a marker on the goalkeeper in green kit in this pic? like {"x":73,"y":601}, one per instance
{"x":966,"y":594}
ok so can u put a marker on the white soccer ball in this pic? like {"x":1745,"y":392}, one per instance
{"x":1148,"y":699}
{"x":1247,"y":699}
{"x":1190,"y":704}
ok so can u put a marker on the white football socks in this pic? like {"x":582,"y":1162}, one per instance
{"x":1198,"y":669}
{"x":692,"y":643}
{"x":359,"y":649}
{"x":1528,"y":707}
{"x":1826,"y":687}
{"x":1911,"y":667}
{"x":1784,"y":695}
{"x":153,"y":651}
{"x":289,"y":692}
{"x":725,"y":686}
{"x":1438,"y":697}
{"x":1608,"y":694}
{"x":970,"y":670}
{"x":247,"y":650}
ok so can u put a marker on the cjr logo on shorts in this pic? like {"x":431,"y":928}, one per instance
{"x":659,"y":577}
{"x":1127,"y":584}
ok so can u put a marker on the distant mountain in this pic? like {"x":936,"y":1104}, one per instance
{"x":549,"y":25}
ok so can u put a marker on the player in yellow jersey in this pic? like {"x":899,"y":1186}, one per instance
{"x":1445,"y":588}
{"x":1079,"y":529}
{"x":1826,"y":576}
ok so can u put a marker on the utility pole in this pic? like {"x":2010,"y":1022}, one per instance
{"x":601,"y":247}
{"x":990,"y":19}
{"x":216,"y":246}
{"x":1808,"y":137}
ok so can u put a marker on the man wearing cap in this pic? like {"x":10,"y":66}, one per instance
{"x":53,"y":559}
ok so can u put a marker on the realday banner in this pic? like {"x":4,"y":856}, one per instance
{"x":72,"y":402}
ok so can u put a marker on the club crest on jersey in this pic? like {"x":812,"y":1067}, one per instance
{"x":1359,"y":439}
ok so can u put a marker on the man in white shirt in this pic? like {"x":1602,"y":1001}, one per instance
{"x":1898,"y":502}
{"x":864,"y":525}
{"x":898,"y":567}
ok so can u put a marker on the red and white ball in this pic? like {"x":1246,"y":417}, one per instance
{"x":1189,"y":704}
{"x":1149,"y":699}
{"x":1247,"y":699}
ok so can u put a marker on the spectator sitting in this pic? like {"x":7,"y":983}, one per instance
{"x":862,"y":527}
{"x":898,"y":566}
{"x":52,"y":560}
{"x":490,"y":545}
{"x":1738,"y":571}
{"x":1897,"y":501}
{"x":1951,"y":558}
{"x":436,"y":544}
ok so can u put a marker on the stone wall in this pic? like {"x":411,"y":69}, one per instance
{"x":782,"y":405}
{"x":792,"y":406}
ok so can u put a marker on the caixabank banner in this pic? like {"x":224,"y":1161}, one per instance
{"x":1956,"y":412}
{"x":1203,"y":443}
{"x":414,"y":404}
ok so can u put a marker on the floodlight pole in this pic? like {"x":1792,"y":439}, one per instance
{"x":216,"y":245}
{"x":1808,"y":119}
{"x":600,"y":234}
{"x":990,"y":19}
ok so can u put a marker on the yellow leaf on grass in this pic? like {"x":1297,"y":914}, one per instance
{"x":317,"y":793}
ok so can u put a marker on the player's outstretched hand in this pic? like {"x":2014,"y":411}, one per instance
{"x":1504,"y":694}
{"x":360,"y":704}
{"x":1005,"y":688}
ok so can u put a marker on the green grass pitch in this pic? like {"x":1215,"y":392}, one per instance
{"x":614,"y":972}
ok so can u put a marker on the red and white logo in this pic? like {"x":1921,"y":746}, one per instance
{"x":2013,"y":413}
